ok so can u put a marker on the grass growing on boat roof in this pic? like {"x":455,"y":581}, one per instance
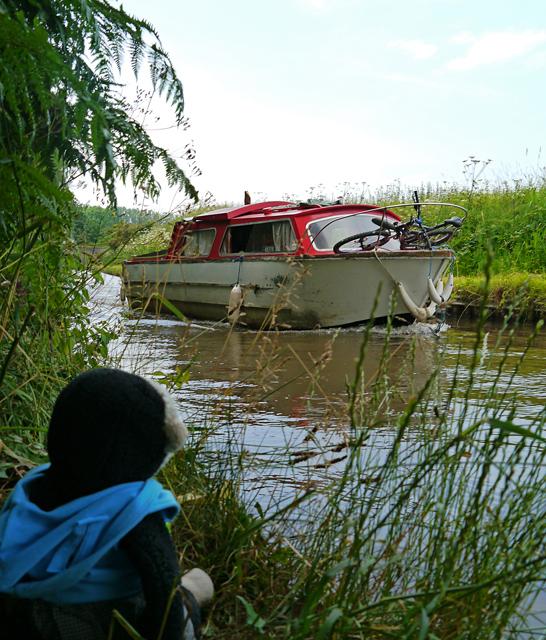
{"x":432,"y":527}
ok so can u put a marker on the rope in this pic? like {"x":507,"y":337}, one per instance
{"x":240,"y":261}
{"x":453,"y":258}
{"x":375,"y":253}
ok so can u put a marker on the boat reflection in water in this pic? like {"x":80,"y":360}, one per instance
{"x":263,"y":390}
{"x":280,"y":393}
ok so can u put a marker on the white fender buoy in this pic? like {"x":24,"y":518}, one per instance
{"x":436,"y":296}
{"x":439,"y":289}
{"x":448,"y":289}
{"x":439,"y":293}
{"x":435,"y":292}
{"x":417,"y":312}
{"x":235,"y":303}
{"x":431,"y":309}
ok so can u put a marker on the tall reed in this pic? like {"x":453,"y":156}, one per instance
{"x":507,"y":215}
{"x":434,"y":527}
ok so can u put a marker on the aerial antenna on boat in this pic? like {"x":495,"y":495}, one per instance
{"x":248,"y":199}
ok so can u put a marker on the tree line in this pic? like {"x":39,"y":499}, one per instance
{"x":104,"y":225}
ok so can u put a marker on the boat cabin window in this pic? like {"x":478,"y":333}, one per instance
{"x":198,"y":243}
{"x":326,"y":232}
{"x":262,"y":237}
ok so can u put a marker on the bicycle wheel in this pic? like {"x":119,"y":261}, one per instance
{"x":382,"y":238}
{"x":417,"y":239}
{"x":441,"y":236}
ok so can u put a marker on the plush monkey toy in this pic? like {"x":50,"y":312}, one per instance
{"x":87,"y":534}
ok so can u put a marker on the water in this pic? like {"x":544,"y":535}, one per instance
{"x":267,"y":386}
{"x":286,"y":414}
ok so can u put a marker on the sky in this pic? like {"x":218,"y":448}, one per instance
{"x":296,"y":97}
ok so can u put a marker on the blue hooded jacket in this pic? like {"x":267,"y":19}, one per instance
{"x":71,"y":554}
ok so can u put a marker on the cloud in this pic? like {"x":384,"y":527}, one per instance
{"x":417,"y":48}
{"x":494,"y":47}
{"x":422,"y":82}
{"x":480,"y":91}
{"x":536,"y":61}
{"x":464,"y":37}
{"x":317,"y":4}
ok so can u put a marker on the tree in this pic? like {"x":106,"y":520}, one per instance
{"x":62,"y":115}
{"x":60,"y":102}
{"x":94,"y":224}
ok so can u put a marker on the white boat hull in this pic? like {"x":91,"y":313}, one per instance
{"x":303,"y":292}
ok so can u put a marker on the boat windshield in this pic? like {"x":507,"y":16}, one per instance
{"x":325,"y":233}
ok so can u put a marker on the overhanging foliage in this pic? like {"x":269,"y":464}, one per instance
{"x":61,"y":106}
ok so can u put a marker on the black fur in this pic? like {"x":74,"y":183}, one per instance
{"x":106,"y":429}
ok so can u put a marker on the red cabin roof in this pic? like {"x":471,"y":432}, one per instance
{"x":300,"y":215}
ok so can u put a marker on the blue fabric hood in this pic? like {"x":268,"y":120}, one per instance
{"x":71,"y":554}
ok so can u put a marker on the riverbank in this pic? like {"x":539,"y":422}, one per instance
{"x":525,"y":290}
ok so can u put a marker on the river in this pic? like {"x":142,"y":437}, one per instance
{"x":282,"y":397}
{"x":262,"y":389}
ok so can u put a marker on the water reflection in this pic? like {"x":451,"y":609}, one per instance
{"x":524,"y":381}
{"x":270,"y":380}
{"x":261,"y":389}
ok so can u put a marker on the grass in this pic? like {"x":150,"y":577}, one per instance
{"x":503,"y":289}
{"x":434,"y":528}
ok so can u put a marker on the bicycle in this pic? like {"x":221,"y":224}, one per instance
{"x":412,"y":235}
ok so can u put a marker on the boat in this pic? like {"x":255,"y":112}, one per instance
{"x":298,"y":266}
